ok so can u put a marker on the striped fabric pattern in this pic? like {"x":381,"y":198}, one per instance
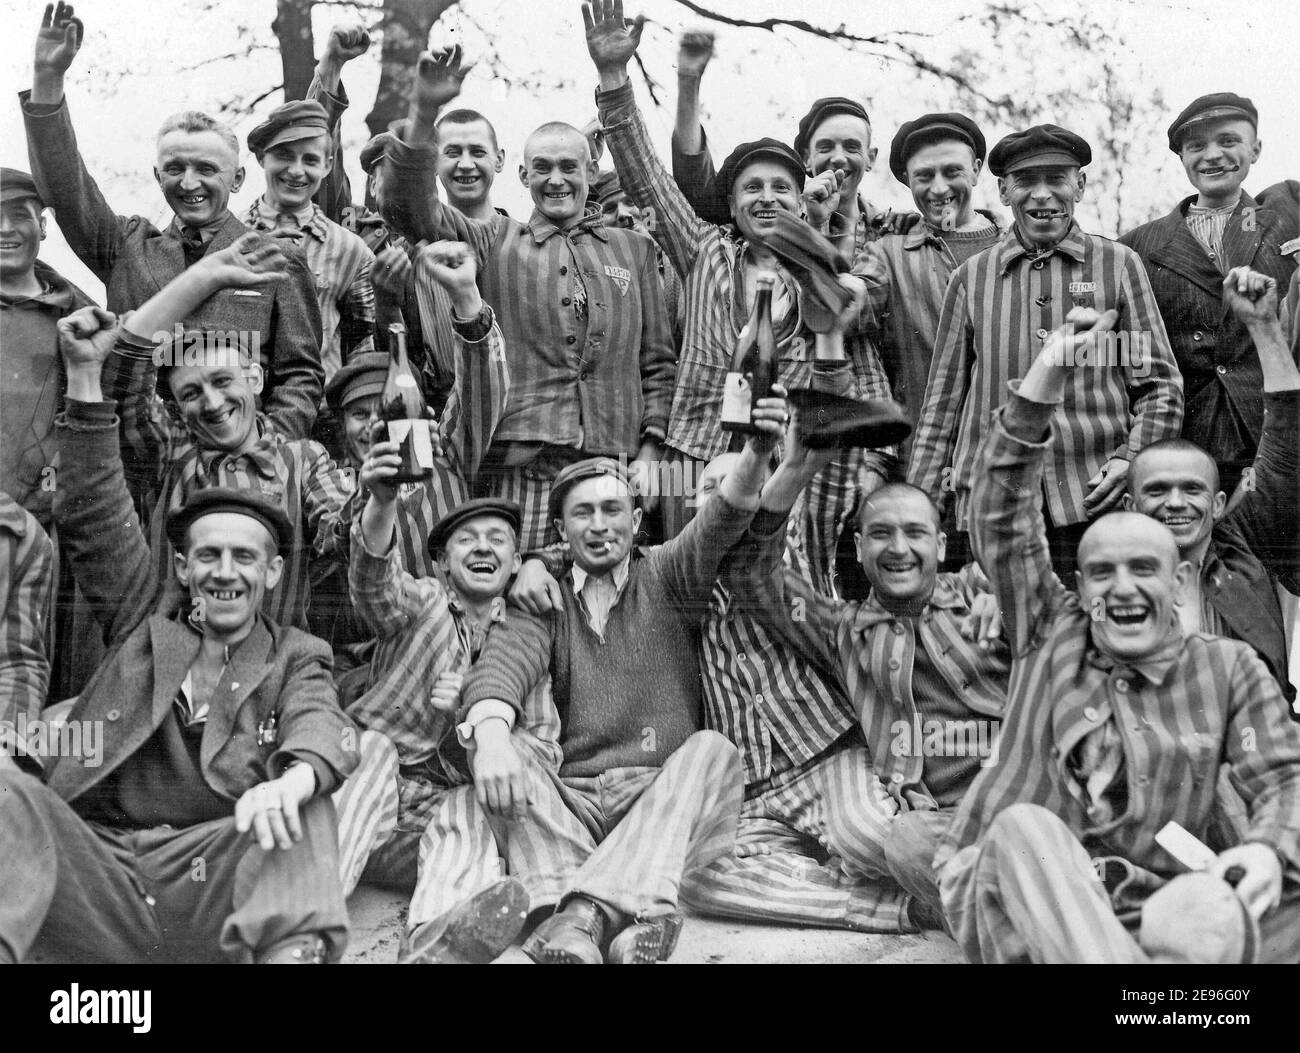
{"x":367,"y":807}
{"x":836,"y":807}
{"x":340,"y":265}
{"x":998,"y":308}
{"x":1211,"y":703}
{"x":710,"y":259}
{"x":300,"y":476}
{"x":26,"y":578}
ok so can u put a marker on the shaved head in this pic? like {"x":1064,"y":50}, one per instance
{"x":554,"y":132}
{"x":1130,"y":530}
{"x":890,"y":492}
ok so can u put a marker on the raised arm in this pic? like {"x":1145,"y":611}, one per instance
{"x":692,"y":164}
{"x":92,"y":229}
{"x":478,"y":399}
{"x":1266,"y":515}
{"x":1008,"y":531}
{"x":346,"y":42}
{"x":611,"y":44}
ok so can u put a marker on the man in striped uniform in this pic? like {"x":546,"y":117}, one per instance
{"x":999,"y":308}
{"x":27,"y":559}
{"x":719,"y":266}
{"x":580,"y":304}
{"x":1117,"y":724}
{"x":212,"y":385}
{"x":939,"y":157}
{"x":1188,"y":252}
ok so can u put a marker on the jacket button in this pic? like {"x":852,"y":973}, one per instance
{"x":113,"y":714}
{"x":1042,"y":334}
{"x":565,"y":301}
{"x":898,"y":629}
{"x":896,"y":777}
{"x":894,"y":663}
{"x":1038,"y":265}
{"x":1198,"y":336}
{"x":583,"y":376}
{"x":1090,"y":713}
{"x":564,"y":270}
{"x":570,"y":339}
{"x":1121,"y":685}
{"x":1221,"y":370}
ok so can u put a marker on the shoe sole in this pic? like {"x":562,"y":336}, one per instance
{"x":654,"y":944}
{"x":479,"y":930}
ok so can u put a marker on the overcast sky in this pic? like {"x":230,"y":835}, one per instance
{"x":140,"y":57}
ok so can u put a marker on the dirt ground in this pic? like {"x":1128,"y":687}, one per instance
{"x":378,"y":916}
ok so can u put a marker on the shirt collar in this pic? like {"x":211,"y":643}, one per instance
{"x":56,"y":291}
{"x":496,"y":610}
{"x":1010,"y":249}
{"x":619,"y":573}
{"x":541,"y":228}
{"x":206,"y":233}
{"x":1154,"y":668}
{"x":945,"y":597}
{"x":262,"y":216}
{"x":923,"y":233}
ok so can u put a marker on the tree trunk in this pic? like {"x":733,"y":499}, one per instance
{"x":292,"y":28}
{"x":405,"y":30}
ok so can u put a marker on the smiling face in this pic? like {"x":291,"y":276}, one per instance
{"x":617,"y":211}
{"x":228,"y":565}
{"x":468,"y":162}
{"x":599,"y":523}
{"x":760,"y":190}
{"x":941,"y":176}
{"x":480,"y":557}
{"x":359,"y":418}
{"x":557,"y":171}
{"x":197,"y":172}
{"x":22,"y":229}
{"x":295,"y":170}
{"x":1178,"y":487}
{"x":1217,"y":156}
{"x":1129,"y":580}
{"x":218,"y":399}
{"x":900,"y":545}
{"x":1042,"y":200}
{"x":842,"y":143}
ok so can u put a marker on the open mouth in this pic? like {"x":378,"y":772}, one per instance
{"x":10,"y":245}
{"x":558,"y":195}
{"x":225,"y":595}
{"x":1178,"y":522}
{"x":1128,"y":616}
{"x":294,"y":184}
{"x":194,"y":200}
{"x":898,"y":566}
{"x":600,"y":548}
{"x":481,"y":566}
{"x":1219,"y":170}
{"x":465,"y":180}
{"x":764,"y":214}
{"x":1044,"y":215}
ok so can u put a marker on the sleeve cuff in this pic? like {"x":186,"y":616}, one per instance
{"x":620,"y":96}
{"x":1026,"y":419}
{"x":488,"y":709}
{"x":91,"y":414}
{"x":474,"y":330}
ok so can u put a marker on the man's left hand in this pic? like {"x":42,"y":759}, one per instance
{"x":1251,"y":296}
{"x":1261,"y":886}
{"x":984,"y":623}
{"x":821,"y":197}
{"x":438,"y":78}
{"x":270,"y":809}
{"x":346,"y":42}
{"x":1106,"y":488}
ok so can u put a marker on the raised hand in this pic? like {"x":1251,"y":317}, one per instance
{"x":250,"y":262}
{"x":821,"y":196}
{"x":390,"y":270}
{"x":347,"y":41}
{"x":438,"y":77}
{"x":694,"y":51}
{"x":58,"y":40}
{"x":453,"y":265}
{"x":1251,"y":296}
{"x":611,"y":41}
{"x":86,"y":337}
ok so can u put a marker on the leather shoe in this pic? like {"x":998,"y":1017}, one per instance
{"x":305,"y":949}
{"x":826,"y":420}
{"x":646,"y":942}
{"x":572,"y":936}
{"x":475,"y":932}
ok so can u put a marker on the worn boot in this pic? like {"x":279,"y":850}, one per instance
{"x":475,"y":932}
{"x":646,"y":942}
{"x":305,"y":949}
{"x":572,"y":936}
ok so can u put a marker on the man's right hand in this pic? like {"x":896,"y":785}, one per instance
{"x":501,"y":781}
{"x":1250,"y":296}
{"x":347,"y":41}
{"x":454,"y":266}
{"x":438,"y":78}
{"x":250,"y":262}
{"x":535,"y":590}
{"x":389,"y":272}
{"x":611,"y":41}
{"x":383,"y":461}
{"x":86,"y":337}
{"x":694,"y":51}
{"x":58,"y":40}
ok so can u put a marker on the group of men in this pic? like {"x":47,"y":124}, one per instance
{"x":1021,"y":677}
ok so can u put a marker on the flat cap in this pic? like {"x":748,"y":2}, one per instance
{"x":932,"y":128}
{"x":818,"y":112}
{"x":215,"y":499}
{"x":363,"y":375}
{"x":479,"y":506}
{"x":758,"y":150}
{"x":377,"y":148}
{"x":591,"y":468}
{"x":1211,"y":108}
{"x":1043,"y":144}
{"x":301,"y":119}
{"x":16,"y":185}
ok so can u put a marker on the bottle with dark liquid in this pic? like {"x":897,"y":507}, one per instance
{"x":753,"y":363}
{"x":402,"y":407}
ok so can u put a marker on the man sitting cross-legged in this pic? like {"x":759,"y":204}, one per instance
{"x":1117,"y":722}
{"x":203,"y":830}
{"x":649,"y":798}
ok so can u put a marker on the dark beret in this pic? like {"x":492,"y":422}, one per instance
{"x":932,"y":128}
{"x":759,"y":150}
{"x":16,"y":185}
{"x":1210,"y":108}
{"x":591,"y":468}
{"x":302,"y":119}
{"x":1043,"y":144}
{"x":479,"y":506}
{"x":363,"y":375}
{"x":214,"y":499}
{"x":818,"y":112}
